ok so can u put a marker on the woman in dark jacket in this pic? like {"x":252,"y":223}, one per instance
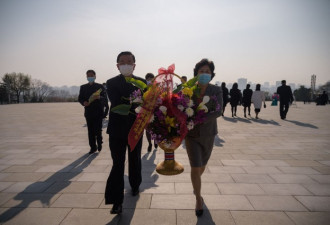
{"x":235,"y":98}
{"x":199,"y":141}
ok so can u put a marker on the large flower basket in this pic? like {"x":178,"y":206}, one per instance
{"x":169,"y":166}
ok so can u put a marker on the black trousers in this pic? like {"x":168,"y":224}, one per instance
{"x":284,"y":108}
{"x":114,"y":191}
{"x":94,"y":125}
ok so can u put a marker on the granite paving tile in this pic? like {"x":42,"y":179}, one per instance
{"x":309,"y":218}
{"x":40,"y":216}
{"x":315,"y":203}
{"x":209,"y":217}
{"x":284,"y":189}
{"x":252,"y":178}
{"x":261,"y":218}
{"x":318,"y":189}
{"x":78,"y":201}
{"x":240,"y":189}
{"x":276,"y":203}
{"x":292,"y":178}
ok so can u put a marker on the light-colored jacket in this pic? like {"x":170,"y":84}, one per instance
{"x":257,"y":98}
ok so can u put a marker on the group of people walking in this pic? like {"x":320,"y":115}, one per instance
{"x":199,"y":140}
{"x":257,"y":97}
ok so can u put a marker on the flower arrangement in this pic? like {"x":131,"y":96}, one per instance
{"x":166,"y":113}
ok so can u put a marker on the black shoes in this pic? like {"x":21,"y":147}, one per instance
{"x":116,"y":209}
{"x":92,"y":151}
{"x":135,"y":192}
{"x":150,"y":147}
{"x":99,"y":147}
{"x":199,"y":212}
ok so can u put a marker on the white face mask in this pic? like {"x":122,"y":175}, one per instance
{"x":126,"y":69}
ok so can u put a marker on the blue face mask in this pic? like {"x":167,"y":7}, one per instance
{"x":91,"y":79}
{"x":204,"y":78}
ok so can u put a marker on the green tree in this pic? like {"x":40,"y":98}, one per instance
{"x":302,"y":94}
{"x":17,"y":83}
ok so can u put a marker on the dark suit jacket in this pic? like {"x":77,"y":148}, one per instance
{"x":209,"y":126}
{"x":95,"y":109}
{"x":118,"y":89}
{"x":285,"y":94}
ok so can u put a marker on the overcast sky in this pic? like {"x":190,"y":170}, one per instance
{"x":262,"y":40}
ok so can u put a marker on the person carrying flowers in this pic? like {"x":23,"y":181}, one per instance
{"x":199,"y":140}
{"x":119,"y":91}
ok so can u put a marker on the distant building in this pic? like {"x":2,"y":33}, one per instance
{"x":242,"y":83}
{"x":266,"y":85}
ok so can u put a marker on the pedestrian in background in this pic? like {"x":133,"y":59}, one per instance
{"x":286,"y":98}
{"x":257,"y":98}
{"x":225,"y":95}
{"x":246,"y":101}
{"x":93,"y":104}
{"x":149,"y":77}
{"x":235,"y":98}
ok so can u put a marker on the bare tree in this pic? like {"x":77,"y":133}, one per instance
{"x":17,"y":83}
{"x":39,"y":90}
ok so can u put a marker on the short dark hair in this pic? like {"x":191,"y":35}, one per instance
{"x":223,"y":84}
{"x":125,"y":53}
{"x":258,"y":87}
{"x":204,"y":62}
{"x":90,"y":71}
{"x":149,"y":75}
{"x":235,"y":86}
{"x":283,"y":81}
{"x":247,"y":86}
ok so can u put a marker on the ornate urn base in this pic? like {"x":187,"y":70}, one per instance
{"x":169,"y":166}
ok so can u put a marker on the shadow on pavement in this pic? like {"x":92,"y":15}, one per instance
{"x":262,"y":121}
{"x":30,"y":193}
{"x":233,"y":120}
{"x":243,"y":120}
{"x":303,"y":124}
{"x":218,"y":141}
{"x":130,"y":202}
{"x":206,"y":219}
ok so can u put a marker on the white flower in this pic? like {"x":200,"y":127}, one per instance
{"x":191,"y":103}
{"x":138,"y":109}
{"x":189,"y":112}
{"x":190,"y":125}
{"x":138,"y":100}
{"x":206,"y":99}
{"x":152,"y":118}
{"x":203,"y":107}
{"x":163,"y":109}
{"x":180,"y":107}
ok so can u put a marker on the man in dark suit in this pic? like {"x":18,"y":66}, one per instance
{"x":93,"y":110}
{"x":286,"y":98}
{"x":118,"y":128}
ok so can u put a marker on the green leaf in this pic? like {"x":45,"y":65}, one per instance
{"x":190,"y":83}
{"x":196,"y":90}
{"x":122,"y":109}
{"x":179,"y":88}
{"x":137,"y":83}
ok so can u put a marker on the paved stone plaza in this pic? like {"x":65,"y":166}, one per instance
{"x":265,"y":171}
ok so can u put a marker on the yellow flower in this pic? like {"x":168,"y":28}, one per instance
{"x":146,"y":94}
{"x":170,"y":121}
{"x":187,"y":91}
